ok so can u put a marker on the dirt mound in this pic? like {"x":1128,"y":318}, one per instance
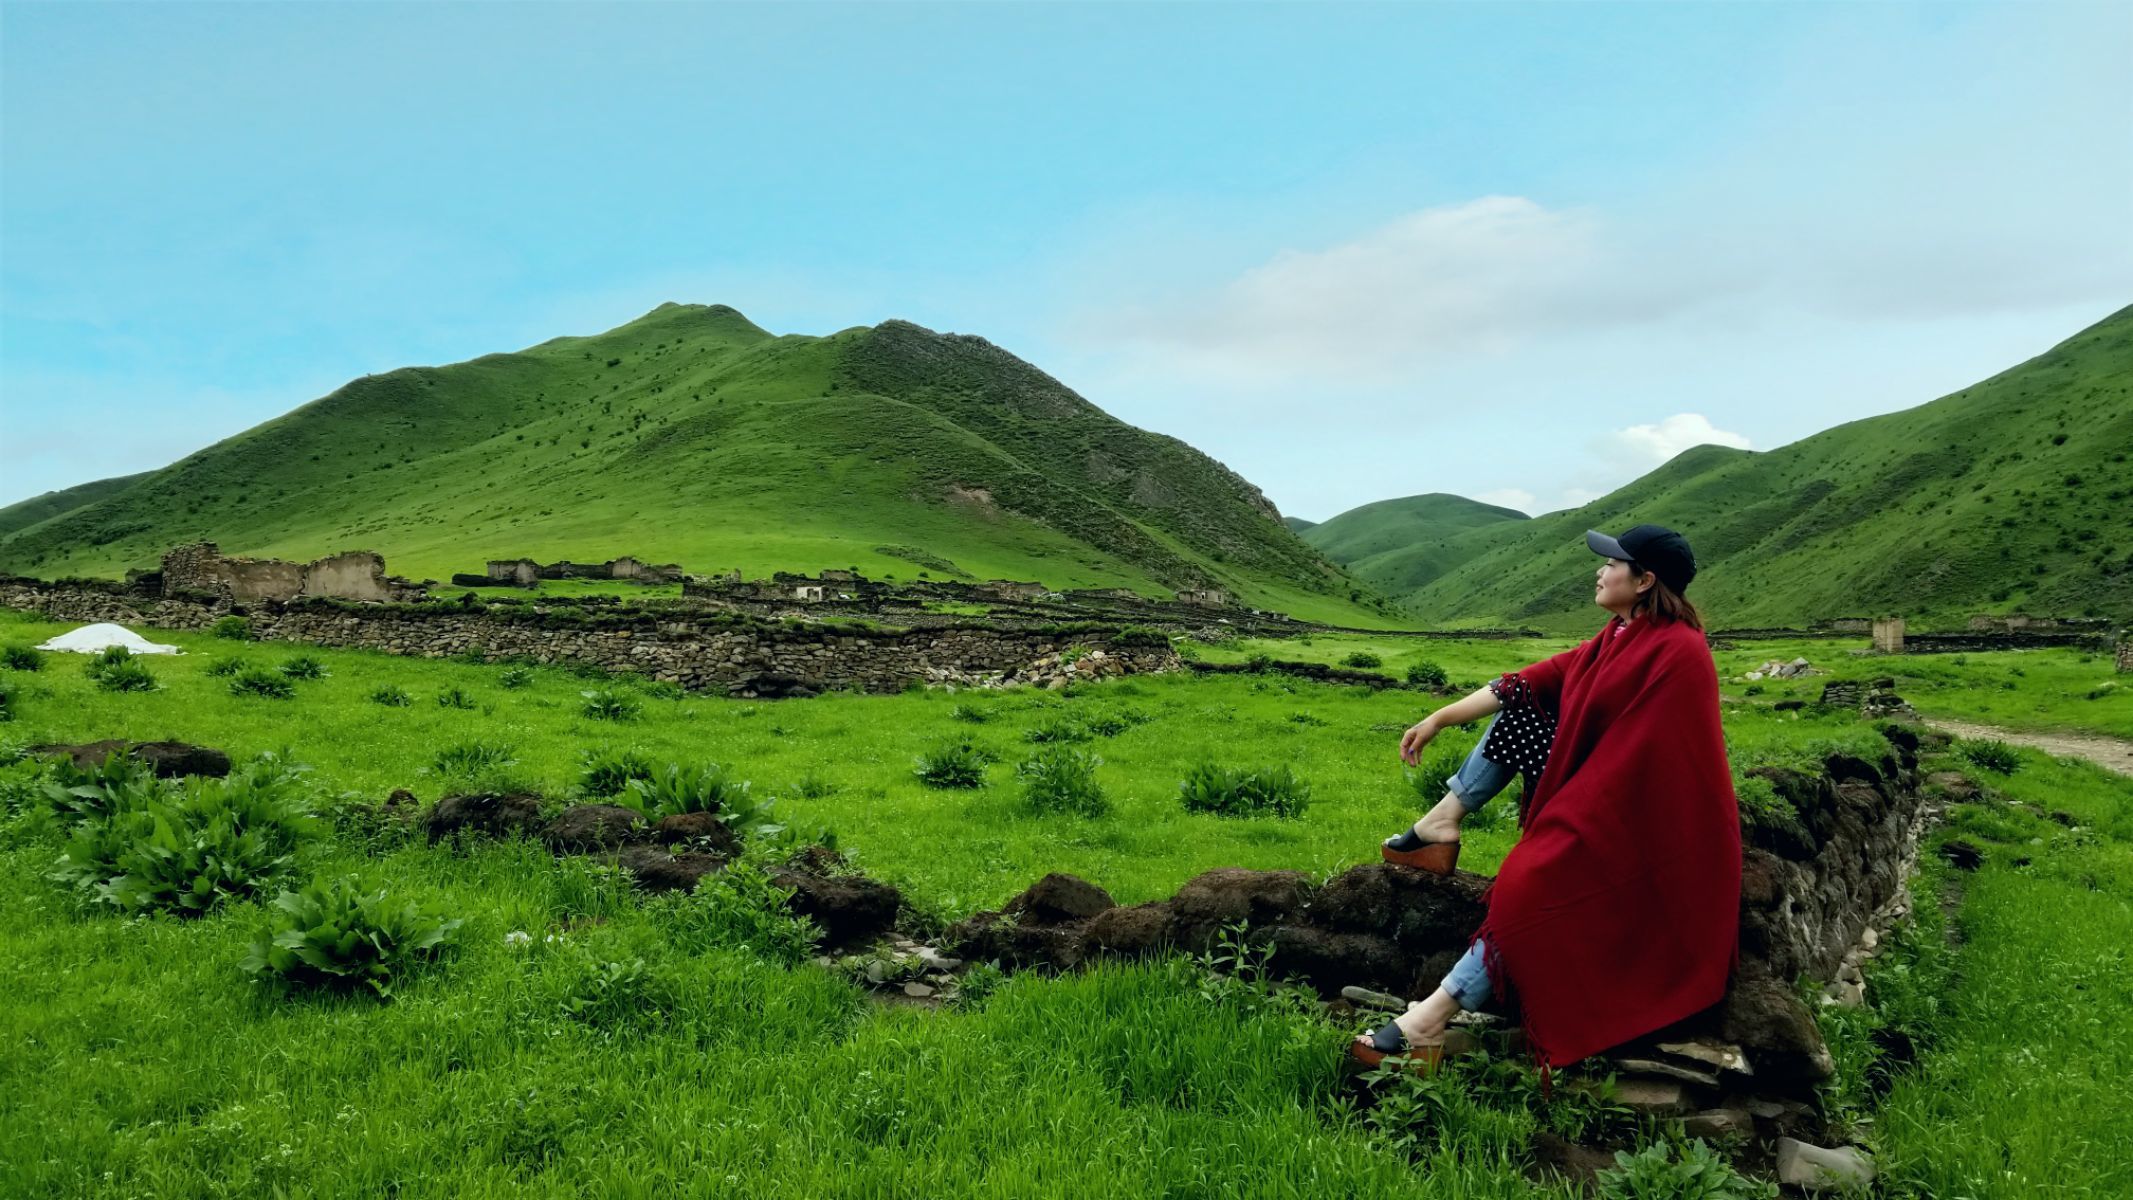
{"x":594,"y":827}
{"x":169,"y":759}
{"x":482,"y":814}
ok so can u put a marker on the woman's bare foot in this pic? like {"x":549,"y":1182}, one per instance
{"x":1441,"y":823}
{"x":1424,"y":1022}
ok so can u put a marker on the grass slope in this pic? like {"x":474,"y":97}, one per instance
{"x":25,"y":513}
{"x":1398,"y":545}
{"x":2010,"y":495}
{"x":692,"y":435}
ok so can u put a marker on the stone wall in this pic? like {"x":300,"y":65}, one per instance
{"x":1810,"y":887}
{"x":1962,"y":643}
{"x":2125,"y":655}
{"x":201,"y":568}
{"x":697,"y":650}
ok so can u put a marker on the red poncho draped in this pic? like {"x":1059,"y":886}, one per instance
{"x":1618,"y":912}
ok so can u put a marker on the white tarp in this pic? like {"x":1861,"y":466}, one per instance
{"x":90,"y":639}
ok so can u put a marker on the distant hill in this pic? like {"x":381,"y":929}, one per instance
{"x":25,"y":513}
{"x":692,"y":435}
{"x":1399,"y":545}
{"x":1297,"y":524}
{"x":2014,"y":494}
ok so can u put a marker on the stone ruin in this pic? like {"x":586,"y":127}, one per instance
{"x":526,"y":573}
{"x":1888,"y":635}
{"x":351,"y":575}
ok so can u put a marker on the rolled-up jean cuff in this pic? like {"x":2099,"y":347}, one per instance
{"x":1478,"y":780}
{"x":1468,"y":980}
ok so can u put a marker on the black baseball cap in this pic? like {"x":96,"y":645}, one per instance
{"x":1655,"y":548}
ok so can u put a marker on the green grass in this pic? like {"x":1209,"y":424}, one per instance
{"x":692,"y":436}
{"x":145,"y":1062}
{"x":2006,"y":496}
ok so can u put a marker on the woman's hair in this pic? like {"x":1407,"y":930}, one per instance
{"x":1663,"y":603}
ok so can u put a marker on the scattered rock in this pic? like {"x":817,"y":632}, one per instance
{"x":1765,"y":1018}
{"x":170,"y":760}
{"x":1058,"y":898}
{"x":1652,"y":1066}
{"x":1653,"y":1097}
{"x":1819,"y":1168}
{"x":1715,"y":1054}
{"x":1365,"y":998}
{"x":483,"y":814}
{"x":594,"y":827}
{"x":1718,"y":1123}
{"x":917,"y":990}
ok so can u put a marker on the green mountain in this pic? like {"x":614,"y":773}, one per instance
{"x":690,"y":435}
{"x":1297,"y":524}
{"x":25,"y":513}
{"x":1398,"y":545}
{"x":2011,"y":495}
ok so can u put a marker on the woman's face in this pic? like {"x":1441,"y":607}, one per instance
{"x":1617,"y":587}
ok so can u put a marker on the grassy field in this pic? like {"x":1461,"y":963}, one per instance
{"x":636,"y":1054}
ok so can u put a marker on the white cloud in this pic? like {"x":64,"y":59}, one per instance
{"x":1646,"y":446}
{"x":1518,"y":498}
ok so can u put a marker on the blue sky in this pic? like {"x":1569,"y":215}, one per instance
{"x":1523,"y":252}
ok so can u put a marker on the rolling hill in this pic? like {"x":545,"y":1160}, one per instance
{"x":691,"y":435}
{"x":2014,"y":494}
{"x":1399,"y":545}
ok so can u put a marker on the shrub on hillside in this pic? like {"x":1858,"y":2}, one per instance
{"x":1230,"y":792}
{"x":1363,"y":660}
{"x":1140,"y":635}
{"x":514,"y":678}
{"x":1058,"y":729}
{"x":953,"y":765}
{"x":235,"y":628}
{"x":695,"y":787}
{"x":336,"y":935}
{"x":258,"y":681}
{"x":608,"y":772}
{"x":610,"y":704}
{"x":391,"y":695}
{"x":468,"y":759}
{"x":1061,"y":779}
{"x":1989,"y":754}
{"x":303,"y":666}
{"x":223,"y":668}
{"x":969,"y":715}
{"x":1427,"y":674}
{"x":185,"y":848}
{"x":454,"y":697}
{"x":739,"y":908}
{"x":22,"y":658}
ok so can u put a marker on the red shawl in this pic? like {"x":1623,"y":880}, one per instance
{"x":1618,"y":912}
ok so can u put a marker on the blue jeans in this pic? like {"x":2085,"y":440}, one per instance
{"x":1468,"y":980}
{"x":1478,"y":779}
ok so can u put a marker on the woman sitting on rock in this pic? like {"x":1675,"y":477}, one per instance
{"x":1618,"y":911}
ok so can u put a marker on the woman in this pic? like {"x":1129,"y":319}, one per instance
{"x":1618,"y":911}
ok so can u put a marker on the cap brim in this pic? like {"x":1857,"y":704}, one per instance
{"x":1605,"y":546}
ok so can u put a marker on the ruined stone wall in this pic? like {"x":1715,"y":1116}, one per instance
{"x":696,"y":651}
{"x":1957,"y":643}
{"x":2125,"y":654}
{"x":351,"y":575}
{"x":354,"y":575}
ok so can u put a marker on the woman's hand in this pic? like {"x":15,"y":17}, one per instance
{"x":1416,"y":740}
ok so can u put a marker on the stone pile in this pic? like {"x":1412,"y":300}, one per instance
{"x":1779,"y":669}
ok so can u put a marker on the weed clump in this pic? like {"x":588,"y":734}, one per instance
{"x":469,"y":759}
{"x":1059,"y":729}
{"x":1363,"y":660}
{"x":223,"y":668}
{"x":697,"y":787}
{"x":303,"y":666}
{"x":968,"y":715}
{"x":608,"y":772}
{"x":610,"y":704}
{"x":233,"y":628}
{"x":333,"y":934}
{"x":392,"y":696}
{"x":739,"y":908}
{"x":1061,"y":779}
{"x":1230,"y":792}
{"x":514,"y":678}
{"x":1427,"y":674}
{"x":1989,"y":754}
{"x":117,"y":670}
{"x":22,"y":658}
{"x":454,"y":697}
{"x":953,"y":765}
{"x":258,"y":681}
{"x":1688,"y":1171}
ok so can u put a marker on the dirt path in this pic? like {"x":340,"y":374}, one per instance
{"x":2112,"y":754}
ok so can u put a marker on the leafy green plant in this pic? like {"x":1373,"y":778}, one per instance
{"x":116,"y":669}
{"x":1427,"y":674}
{"x":1061,"y":779}
{"x":454,"y":697}
{"x":234,"y":628}
{"x":739,"y":908}
{"x":977,"y":984}
{"x":692,"y":788}
{"x":1989,"y":754}
{"x":1140,"y":635}
{"x":75,"y":796}
{"x":7,"y":700}
{"x":514,"y":678}
{"x":304,"y":666}
{"x":606,"y":772}
{"x":610,"y":704}
{"x":1232,"y":792}
{"x":1058,"y":729}
{"x":334,"y":934}
{"x":953,"y":765}
{"x":22,"y":658}
{"x":392,"y":695}
{"x":616,"y":992}
{"x":969,"y":715}
{"x":223,"y":668}
{"x":1363,"y":660}
{"x":1688,"y":1171}
{"x":468,"y":759}
{"x":258,"y":681}
{"x":187,"y":848}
